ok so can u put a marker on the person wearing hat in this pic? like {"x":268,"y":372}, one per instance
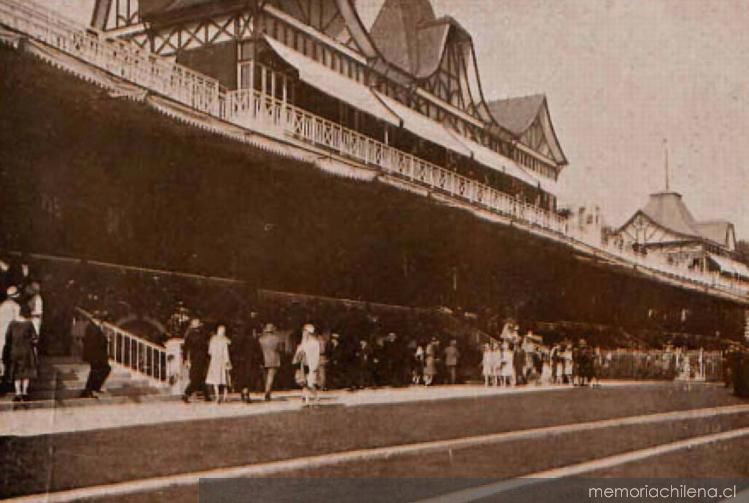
{"x":219,"y":364}
{"x":585,"y":362}
{"x":195,"y":357}
{"x":36,"y":305}
{"x":96,"y":354}
{"x":308,"y":355}
{"x":9,"y":311}
{"x":246,"y":359}
{"x":271,"y":345}
{"x":452,"y":355}
{"x":24,"y":362}
{"x":430,"y":362}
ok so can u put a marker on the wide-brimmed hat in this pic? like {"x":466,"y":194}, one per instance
{"x":12,"y":292}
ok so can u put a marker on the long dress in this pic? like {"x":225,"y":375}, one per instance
{"x":497,"y":363}
{"x":430,"y":364}
{"x":568,"y":361}
{"x":23,"y":357}
{"x":487,"y":364}
{"x":218,"y":349}
{"x":507,"y":360}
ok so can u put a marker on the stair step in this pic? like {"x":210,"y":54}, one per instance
{"x":65,"y":394}
{"x":79,"y":385}
{"x":7,"y":404}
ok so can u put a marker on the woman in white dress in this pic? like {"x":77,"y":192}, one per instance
{"x":220,"y":364}
{"x":496,"y":363}
{"x":508,"y":371}
{"x":308,"y":355}
{"x":546,"y":373}
{"x":486,"y":364}
{"x":568,"y":365}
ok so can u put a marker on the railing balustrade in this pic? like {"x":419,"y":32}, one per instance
{"x":254,"y":110}
{"x":133,"y":352}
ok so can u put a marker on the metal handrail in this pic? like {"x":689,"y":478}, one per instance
{"x":254,"y":110}
{"x":132,"y":352}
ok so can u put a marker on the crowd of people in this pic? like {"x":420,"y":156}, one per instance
{"x":353,"y":349}
{"x":249,"y":359}
{"x":514,"y":360}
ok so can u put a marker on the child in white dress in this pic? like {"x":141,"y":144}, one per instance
{"x":486,"y":364}
{"x":508,"y":371}
{"x":496,"y":364}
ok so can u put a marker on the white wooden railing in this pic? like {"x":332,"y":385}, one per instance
{"x":133,"y":352}
{"x":256,"y":111}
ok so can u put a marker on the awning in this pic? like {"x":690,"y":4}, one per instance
{"x":489,"y":158}
{"x":333,"y":83}
{"x":730,"y":266}
{"x":423,"y":126}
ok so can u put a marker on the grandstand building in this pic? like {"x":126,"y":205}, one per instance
{"x":284,"y":143}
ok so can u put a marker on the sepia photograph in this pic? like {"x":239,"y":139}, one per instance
{"x":374,"y":251}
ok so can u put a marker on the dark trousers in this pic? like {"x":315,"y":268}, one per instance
{"x":198,"y":371}
{"x":97,"y":375}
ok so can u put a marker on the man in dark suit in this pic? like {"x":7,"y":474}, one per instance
{"x":195,"y":356}
{"x":271,"y":346}
{"x":95,"y":353}
{"x":246,"y":360}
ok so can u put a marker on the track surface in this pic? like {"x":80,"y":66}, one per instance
{"x":101,"y":457}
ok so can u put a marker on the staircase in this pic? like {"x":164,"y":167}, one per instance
{"x":61,"y":381}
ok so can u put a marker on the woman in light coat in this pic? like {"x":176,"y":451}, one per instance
{"x":220,"y":364}
{"x":308,"y":355}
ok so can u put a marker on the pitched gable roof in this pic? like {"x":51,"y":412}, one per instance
{"x":517,"y":114}
{"x":409,"y":35}
{"x":718,"y":231}
{"x":668,"y":210}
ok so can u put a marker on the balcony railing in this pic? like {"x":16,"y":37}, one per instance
{"x":256,"y":111}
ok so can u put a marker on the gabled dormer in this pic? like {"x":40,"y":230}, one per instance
{"x":528,"y":119}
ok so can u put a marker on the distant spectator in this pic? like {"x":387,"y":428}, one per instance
{"x":271,"y":345}
{"x":364,"y":357}
{"x":486,"y":364}
{"x":36,"y":305}
{"x":585,"y":363}
{"x":417,"y":362}
{"x":518,"y":364}
{"x":322,"y":370}
{"x":336,"y":363}
{"x":497,"y":363}
{"x":9,"y":311}
{"x":452,"y":356}
{"x":23,"y":340}
{"x":508,"y":369}
{"x":430,"y":362}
